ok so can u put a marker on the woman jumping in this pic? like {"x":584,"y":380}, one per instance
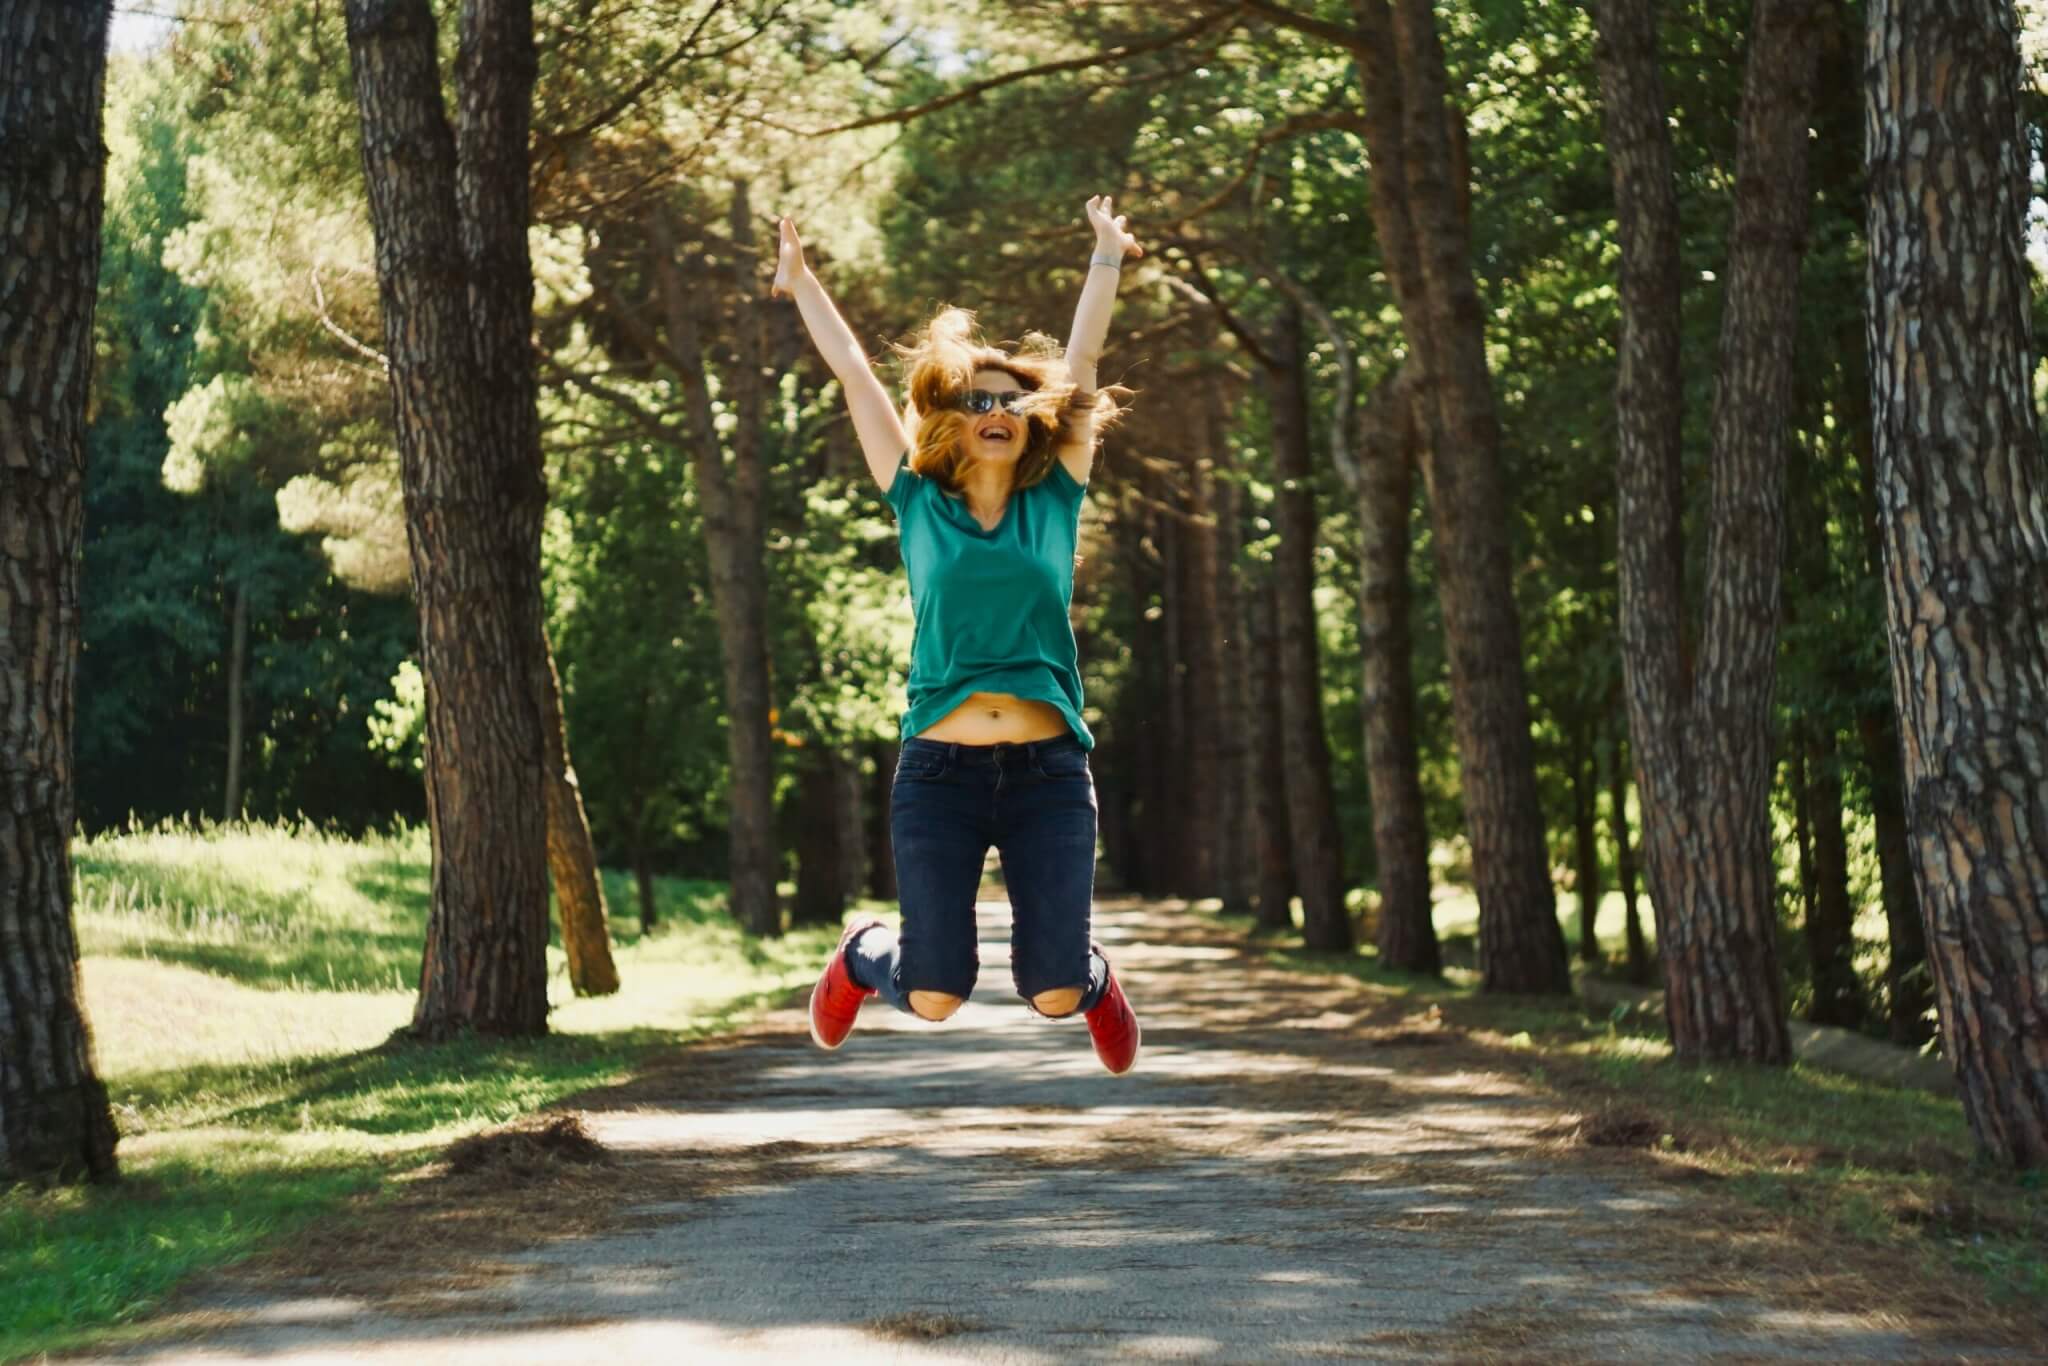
{"x":986,"y":470}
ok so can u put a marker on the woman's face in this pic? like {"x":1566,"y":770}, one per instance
{"x":997,"y":434}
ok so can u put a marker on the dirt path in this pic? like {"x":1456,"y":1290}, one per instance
{"x":1293,"y":1171}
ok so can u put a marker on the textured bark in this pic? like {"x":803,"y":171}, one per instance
{"x":1406,"y":933}
{"x":456,"y":289}
{"x":1269,"y":785}
{"x":730,"y":501}
{"x":1419,"y":202}
{"x":54,"y":1120}
{"x":1909,"y":988}
{"x":1830,"y":918}
{"x":1962,"y":491}
{"x":1703,"y":756}
{"x":238,"y":663}
{"x":1304,"y":753}
{"x":1625,"y":860}
{"x":572,"y":857}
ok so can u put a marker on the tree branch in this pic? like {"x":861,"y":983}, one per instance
{"x":1203,"y":290}
{"x":978,"y":88}
{"x":1351,"y":40}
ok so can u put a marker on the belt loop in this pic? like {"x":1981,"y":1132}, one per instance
{"x":952,"y":753}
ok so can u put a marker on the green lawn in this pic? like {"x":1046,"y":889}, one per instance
{"x":244,"y":984}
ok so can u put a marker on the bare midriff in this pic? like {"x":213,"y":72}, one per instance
{"x":993,"y":718}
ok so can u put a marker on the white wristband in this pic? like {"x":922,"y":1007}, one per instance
{"x":1116,"y":266}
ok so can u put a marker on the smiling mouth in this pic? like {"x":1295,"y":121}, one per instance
{"x":994,"y":433}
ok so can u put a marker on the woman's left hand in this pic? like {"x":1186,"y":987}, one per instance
{"x":1110,"y":234}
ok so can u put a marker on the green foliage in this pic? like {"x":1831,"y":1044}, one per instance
{"x":163,"y":568}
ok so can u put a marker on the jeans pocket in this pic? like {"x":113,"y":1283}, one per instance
{"x":1063,"y":763}
{"x":920,"y":769}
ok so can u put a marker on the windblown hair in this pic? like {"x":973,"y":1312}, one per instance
{"x":940,"y":367}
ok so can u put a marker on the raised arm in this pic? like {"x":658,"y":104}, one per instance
{"x":875,"y":419}
{"x":1091,"y":326}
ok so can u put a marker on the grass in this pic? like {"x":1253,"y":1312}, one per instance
{"x":244,"y":984}
{"x":1846,"y":1158}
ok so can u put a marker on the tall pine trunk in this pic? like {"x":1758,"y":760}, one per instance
{"x":1406,"y":933}
{"x":1237,"y":757}
{"x":1269,"y":786}
{"x":1304,"y":754}
{"x":1625,"y":857}
{"x":1962,"y":492}
{"x":54,"y":1120}
{"x":572,"y":857}
{"x":730,"y":499}
{"x":449,"y":212}
{"x":238,"y":664}
{"x":1830,"y":917}
{"x":1586,"y":843}
{"x":1702,"y":743}
{"x":1419,"y":209}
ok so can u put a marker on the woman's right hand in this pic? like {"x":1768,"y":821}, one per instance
{"x":789,"y":263}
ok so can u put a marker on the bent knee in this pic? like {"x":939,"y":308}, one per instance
{"x":933,"y":1005}
{"x":1060,"y":1001}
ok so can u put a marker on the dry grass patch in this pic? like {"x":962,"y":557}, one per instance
{"x":919,"y":1326}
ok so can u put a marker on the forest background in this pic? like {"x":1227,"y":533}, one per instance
{"x":249,"y":643}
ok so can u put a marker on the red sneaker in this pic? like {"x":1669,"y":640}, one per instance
{"x":837,"y":997}
{"x":1113,"y":1025}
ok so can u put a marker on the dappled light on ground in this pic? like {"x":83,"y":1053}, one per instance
{"x":1301,"y":1166}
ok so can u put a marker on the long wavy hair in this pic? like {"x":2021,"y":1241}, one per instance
{"x":940,"y":366}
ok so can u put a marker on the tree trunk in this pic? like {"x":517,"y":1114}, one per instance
{"x":731,"y":514}
{"x":1830,"y":919}
{"x":1406,"y":934}
{"x":1802,"y":827}
{"x":1175,"y":838}
{"x":1702,"y":744}
{"x":643,"y":883}
{"x":456,"y":288}
{"x":1275,"y":845}
{"x":1963,"y":498}
{"x":1203,"y":647}
{"x":1418,"y":208}
{"x":238,"y":663}
{"x":54,"y":1120}
{"x":1906,"y":977}
{"x":1304,"y":754}
{"x":846,"y":805}
{"x":1909,"y":987}
{"x":881,"y":855}
{"x":1586,"y":845}
{"x":820,"y":860}
{"x":1625,"y":858}
{"x":572,"y":858}
{"x":1236,"y":756}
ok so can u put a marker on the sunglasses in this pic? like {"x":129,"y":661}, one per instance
{"x":980,"y":401}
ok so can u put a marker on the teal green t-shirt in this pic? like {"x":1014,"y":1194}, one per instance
{"x":990,"y":607}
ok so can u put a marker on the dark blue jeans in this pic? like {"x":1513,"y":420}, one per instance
{"x":1035,"y":802}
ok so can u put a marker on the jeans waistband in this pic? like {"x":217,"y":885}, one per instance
{"x":959,"y":753}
